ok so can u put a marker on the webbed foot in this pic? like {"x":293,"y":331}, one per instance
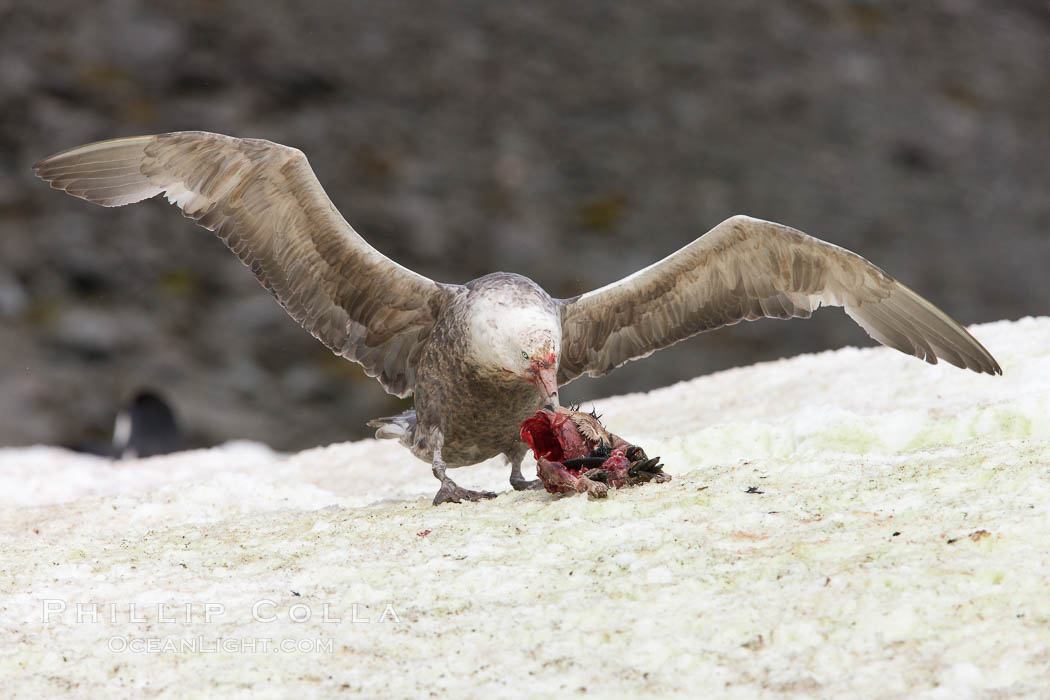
{"x":450,"y":493}
{"x":522,"y":484}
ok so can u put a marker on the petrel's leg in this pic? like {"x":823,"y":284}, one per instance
{"x":519,"y":482}
{"x":449,"y":492}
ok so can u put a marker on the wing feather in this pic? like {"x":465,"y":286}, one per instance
{"x":746,"y":269}
{"x":265,"y":202}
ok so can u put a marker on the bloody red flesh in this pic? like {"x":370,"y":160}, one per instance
{"x":555,"y":437}
{"x":568,"y":461}
{"x":538,"y":432}
{"x":556,"y":440}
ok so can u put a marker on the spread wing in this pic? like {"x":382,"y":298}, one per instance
{"x":265,"y":202}
{"x":742,"y":270}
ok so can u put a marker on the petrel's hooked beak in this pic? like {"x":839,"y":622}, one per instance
{"x":546,"y":380}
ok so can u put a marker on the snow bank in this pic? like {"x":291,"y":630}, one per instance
{"x":849,"y":523}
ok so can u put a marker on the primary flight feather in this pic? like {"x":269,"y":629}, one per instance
{"x":483,"y":356}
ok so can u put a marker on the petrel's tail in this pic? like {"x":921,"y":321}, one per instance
{"x":394,"y":427}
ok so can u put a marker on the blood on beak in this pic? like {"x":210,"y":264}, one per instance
{"x":546,"y":380}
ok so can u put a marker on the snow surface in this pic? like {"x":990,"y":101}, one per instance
{"x":853,"y":523}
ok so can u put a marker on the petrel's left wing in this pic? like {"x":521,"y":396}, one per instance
{"x":745,"y":269}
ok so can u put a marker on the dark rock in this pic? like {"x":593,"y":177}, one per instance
{"x":462,"y":137}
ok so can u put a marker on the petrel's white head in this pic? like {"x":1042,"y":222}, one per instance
{"x":521,"y":340}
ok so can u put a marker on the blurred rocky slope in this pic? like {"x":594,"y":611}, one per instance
{"x":570,"y":142}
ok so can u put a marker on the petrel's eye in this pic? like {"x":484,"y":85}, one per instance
{"x":524,"y":355}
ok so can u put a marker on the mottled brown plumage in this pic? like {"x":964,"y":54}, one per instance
{"x":264,"y":201}
{"x":745,"y":269}
{"x":481,"y":357}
